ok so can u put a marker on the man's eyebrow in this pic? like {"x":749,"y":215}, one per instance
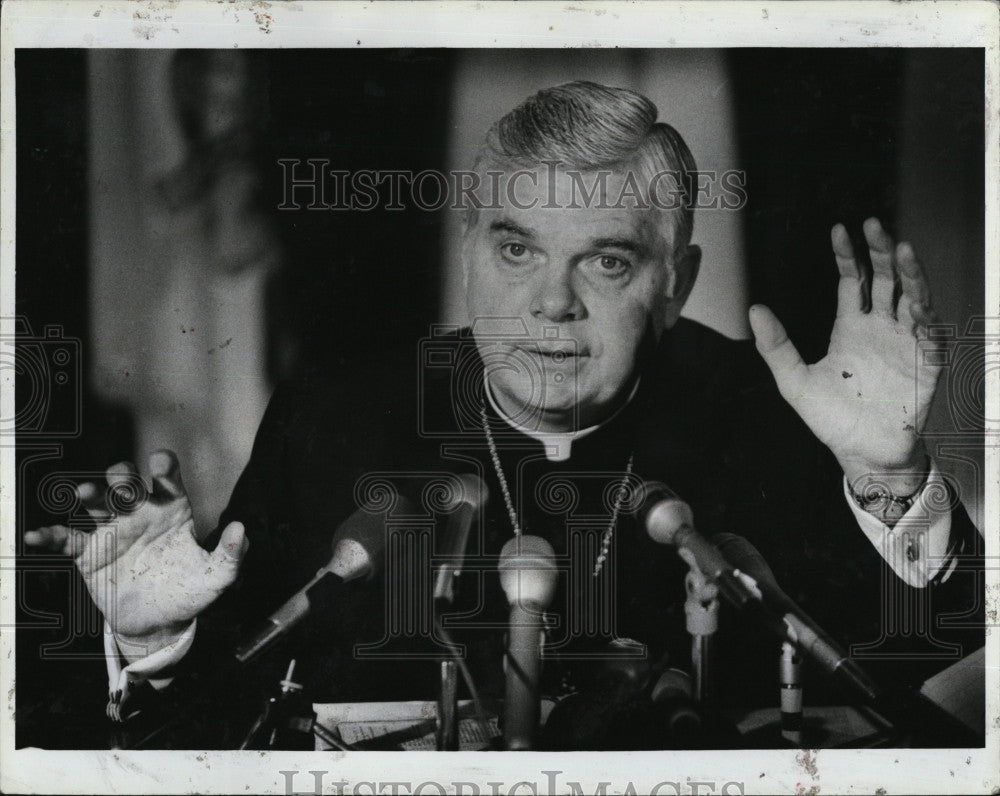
{"x":506,"y":225}
{"x":626,"y":244}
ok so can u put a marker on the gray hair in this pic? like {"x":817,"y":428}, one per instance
{"x":588,"y":126}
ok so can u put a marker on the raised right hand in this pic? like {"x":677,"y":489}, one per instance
{"x":143,"y":566}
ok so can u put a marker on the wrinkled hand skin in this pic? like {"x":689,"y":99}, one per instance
{"x":860,"y":400}
{"x":143,"y":565}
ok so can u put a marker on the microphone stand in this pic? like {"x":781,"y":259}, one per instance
{"x":275,"y":719}
{"x":471,"y":496}
{"x":701,"y":610}
{"x":446,"y":732}
{"x":790,"y":677}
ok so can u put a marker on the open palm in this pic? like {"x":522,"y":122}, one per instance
{"x":143,"y":566}
{"x":868,"y":398}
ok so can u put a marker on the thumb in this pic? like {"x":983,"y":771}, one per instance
{"x":778,"y":351}
{"x":224,"y":562}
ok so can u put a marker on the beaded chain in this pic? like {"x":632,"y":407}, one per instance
{"x":509,"y":503}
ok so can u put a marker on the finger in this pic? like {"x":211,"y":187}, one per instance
{"x":92,"y":498}
{"x":165,"y":471}
{"x":881,"y":250}
{"x":225,"y":560}
{"x":922,"y":316}
{"x":843,"y":250}
{"x":58,"y":539}
{"x":851,"y":289}
{"x":126,"y":490}
{"x":122,"y":472}
{"x":778,"y":352}
{"x":911,"y":277}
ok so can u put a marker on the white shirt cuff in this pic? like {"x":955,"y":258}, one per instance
{"x":917,"y":546}
{"x":146,"y":667}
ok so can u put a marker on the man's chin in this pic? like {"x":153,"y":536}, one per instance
{"x":545,"y":407}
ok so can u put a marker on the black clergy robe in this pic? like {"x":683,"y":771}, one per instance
{"x":705,"y":419}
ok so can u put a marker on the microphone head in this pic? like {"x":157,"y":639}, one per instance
{"x":627,"y":661}
{"x":745,"y":557}
{"x":359,"y":541}
{"x":472,"y":492}
{"x":528,"y":570}
{"x":676,"y":710}
{"x":666,"y":518}
{"x":661,"y":512}
{"x":470,"y":495}
{"x":673,"y":684}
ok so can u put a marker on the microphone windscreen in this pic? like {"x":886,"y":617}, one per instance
{"x":463,"y":508}
{"x":360,"y":540}
{"x":667,"y":518}
{"x":673,"y":684}
{"x":472,"y":491}
{"x":627,"y":661}
{"x":679,"y":716}
{"x":528,"y":570}
{"x":661,"y":512}
{"x":742,"y":555}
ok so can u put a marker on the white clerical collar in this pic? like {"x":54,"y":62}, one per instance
{"x":558,"y":445}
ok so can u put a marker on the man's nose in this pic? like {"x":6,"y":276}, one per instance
{"x":556,"y":299}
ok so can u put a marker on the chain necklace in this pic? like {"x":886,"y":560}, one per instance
{"x":509,"y":503}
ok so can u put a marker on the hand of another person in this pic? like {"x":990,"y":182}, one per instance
{"x":867,"y":399}
{"x":143,"y":566}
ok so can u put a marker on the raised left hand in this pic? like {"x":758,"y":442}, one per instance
{"x":868,"y":398}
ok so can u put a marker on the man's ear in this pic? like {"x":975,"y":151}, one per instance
{"x":683,"y":275}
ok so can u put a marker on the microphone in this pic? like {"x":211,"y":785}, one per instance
{"x":528,"y":578}
{"x":799,"y":628}
{"x":678,"y":714}
{"x":358,"y":544}
{"x":669,"y":520}
{"x":608,"y":710}
{"x":469,"y":500}
{"x":790,"y":697}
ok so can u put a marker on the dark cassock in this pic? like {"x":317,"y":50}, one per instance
{"x":703,"y":417}
{"x":576,"y":386}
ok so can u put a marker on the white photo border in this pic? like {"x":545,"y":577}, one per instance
{"x":244,"y":24}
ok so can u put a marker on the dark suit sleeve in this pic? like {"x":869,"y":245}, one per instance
{"x":260,"y":500}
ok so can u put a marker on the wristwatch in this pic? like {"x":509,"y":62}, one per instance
{"x":879,"y":501}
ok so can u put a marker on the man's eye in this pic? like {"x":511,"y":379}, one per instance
{"x":515,"y":252}
{"x":612,"y":266}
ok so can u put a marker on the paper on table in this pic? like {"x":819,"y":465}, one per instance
{"x":959,"y":690}
{"x":407,"y":726}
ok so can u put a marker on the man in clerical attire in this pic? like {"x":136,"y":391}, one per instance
{"x":577,"y":383}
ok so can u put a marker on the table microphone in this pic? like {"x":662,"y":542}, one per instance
{"x":358,"y":546}
{"x":469,"y":499}
{"x":528,"y":577}
{"x":799,"y":629}
{"x":608,"y":709}
{"x":669,"y":520}
{"x":673,"y":695}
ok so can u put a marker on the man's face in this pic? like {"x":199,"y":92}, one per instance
{"x":587,"y":283}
